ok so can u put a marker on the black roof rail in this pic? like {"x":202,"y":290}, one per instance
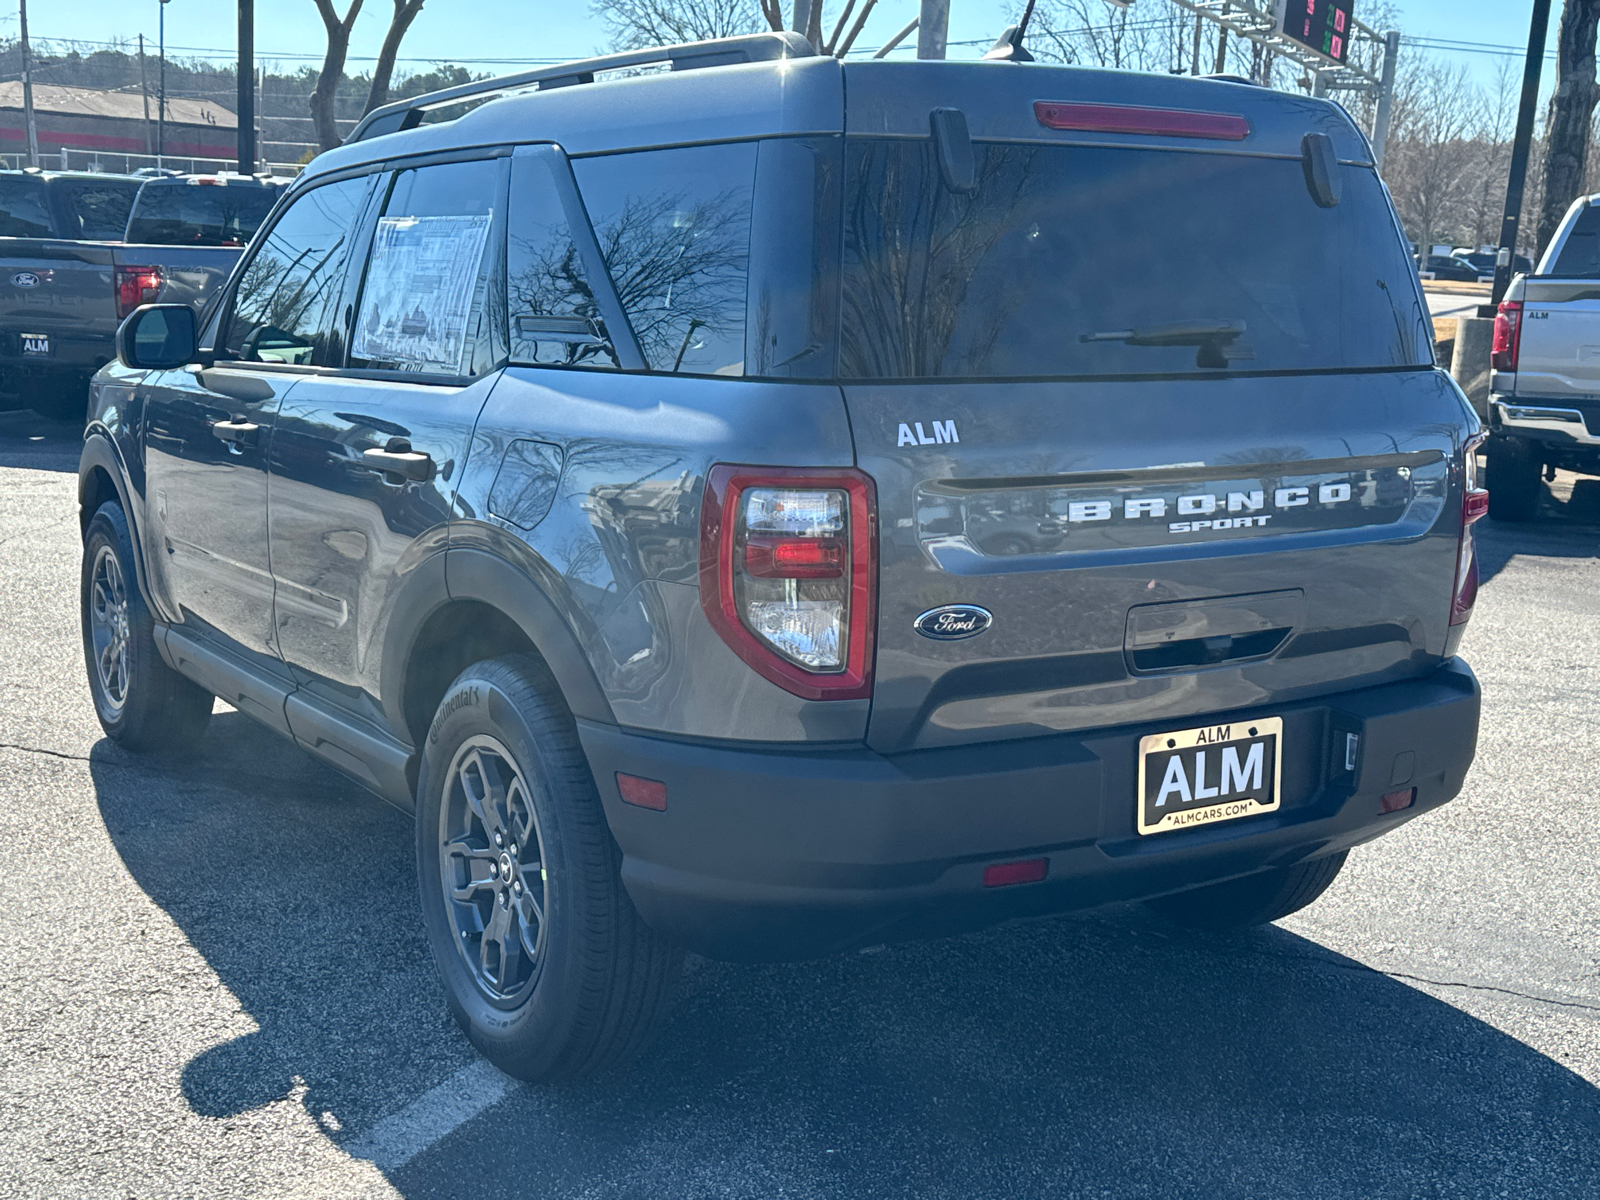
{"x":719,"y":52}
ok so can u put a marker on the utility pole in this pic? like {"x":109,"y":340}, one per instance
{"x":27,"y":88}
{"x":161,"y":97}
{"x":932,"y":30}
{"x":1222,"y":45}
{"x":1380,"y":120}
{"x":144,"y":91}
{"x":1194,"y":68}
{"x":1519,"y":156}
{"x":246,"y":77}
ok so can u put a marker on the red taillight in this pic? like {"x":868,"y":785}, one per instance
{"x":136,"y":286}
{"x":1005,"y":874}
{"x":1474,"y":505}
{"x":1507,"y":336}
{"x":1123,"y":118}
{"x":788,"y":574}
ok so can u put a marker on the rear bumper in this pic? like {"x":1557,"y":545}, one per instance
{"x":1551,"y":421}
{"x":71,"y":355}
{"x":773,"y":853}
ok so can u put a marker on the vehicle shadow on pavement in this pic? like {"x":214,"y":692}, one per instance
{"x":1105,"y":1054}
{"x":37,"y":443}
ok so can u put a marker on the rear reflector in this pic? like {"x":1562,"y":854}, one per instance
{"x":1395,"y":801}
{"x":1122,"y":118}
{"x":1004,"y":874}
{"x":643,"y":793}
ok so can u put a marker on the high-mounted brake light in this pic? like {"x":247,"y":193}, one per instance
{"x":1474,"y":505}
{"x":788,"y":574}
{"x":1127,"y":118}
{"x":136,"y":286}
{"x":1507,"y":336}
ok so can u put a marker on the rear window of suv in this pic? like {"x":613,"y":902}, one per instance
{"x":1079,"y":260}
{"x":186,"y":214}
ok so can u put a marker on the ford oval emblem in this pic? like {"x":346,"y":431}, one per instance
{"x":25,"y":279}
{"x":952,"y":622}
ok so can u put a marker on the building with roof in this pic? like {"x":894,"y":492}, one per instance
{"x":75,"y":118}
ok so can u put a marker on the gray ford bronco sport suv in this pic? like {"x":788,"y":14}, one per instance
{"x":603,"y":472}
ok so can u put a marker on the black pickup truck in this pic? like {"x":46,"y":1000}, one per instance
{"x":80,"y":251}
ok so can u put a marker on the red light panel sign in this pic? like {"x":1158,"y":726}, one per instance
{"x":1323,"y":25}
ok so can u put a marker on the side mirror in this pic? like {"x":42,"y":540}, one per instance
{"x":158,"y":337}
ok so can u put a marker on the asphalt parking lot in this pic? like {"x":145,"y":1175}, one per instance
{"x":213,"y":981}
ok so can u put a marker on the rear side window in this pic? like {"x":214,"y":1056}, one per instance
{"x":193,"y":214}
{"x":1580,"y":255}
{"x":24,"y":208}
{"x":554,"y":318}
{"x":284,"y":303}
{"x":674,"y":229}
{"x":424,"y":304}
{"x":1096,"y":261}
{"x":97,"y":208}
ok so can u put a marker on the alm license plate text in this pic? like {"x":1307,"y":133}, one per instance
{"x":35,"y":343}
{"x":1213,"y":773}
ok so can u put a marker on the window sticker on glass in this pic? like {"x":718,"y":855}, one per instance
{"x":418,"y":300}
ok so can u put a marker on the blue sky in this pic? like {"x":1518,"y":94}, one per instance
{"x":465,"y":30}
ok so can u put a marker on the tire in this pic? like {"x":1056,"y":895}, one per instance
{"x":1253,"y":900}
{"x":1513,"y":479}
{"x":143,"y":704}
{"x":554,"y":976}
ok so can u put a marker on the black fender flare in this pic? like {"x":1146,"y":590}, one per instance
{"x":489,"y":579}
{"x":100,"y":452}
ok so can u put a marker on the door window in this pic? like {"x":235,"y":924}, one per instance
{"x":674,"y":227}
{"x":284,"y":304}
{"x":425,"y":305}
{"x":554,"y":318}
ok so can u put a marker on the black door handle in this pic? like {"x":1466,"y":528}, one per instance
{"x":399,"y":462}
{"x":236,"y":430}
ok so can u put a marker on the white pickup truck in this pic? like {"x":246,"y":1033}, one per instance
{"x":1544,"y":390}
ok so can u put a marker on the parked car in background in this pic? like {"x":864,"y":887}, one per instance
{"x":80,"y":251}
{"x":1449,"y":267}
{"x":1544,"y":382}
{"x":1521,"y":264}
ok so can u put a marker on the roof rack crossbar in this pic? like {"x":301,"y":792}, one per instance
{"x":756,"y":47}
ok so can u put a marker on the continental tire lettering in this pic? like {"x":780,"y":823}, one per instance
{"x":453,"y":702}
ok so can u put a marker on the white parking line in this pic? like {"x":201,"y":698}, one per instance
{"x":400,"y":1137}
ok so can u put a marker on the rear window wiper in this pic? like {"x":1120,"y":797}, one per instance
{"x":1217,"y":340}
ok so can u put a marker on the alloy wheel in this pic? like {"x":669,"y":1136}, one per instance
{"x":108,"y":628}
{"x":492,"y":869}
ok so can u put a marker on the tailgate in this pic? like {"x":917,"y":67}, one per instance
{"x":1153,"y":550}
{"x":63,"y":289}
{"x":1559,"y":356}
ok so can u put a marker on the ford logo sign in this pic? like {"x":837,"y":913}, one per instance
{"x":952,"y":622}
{"x":25,"y":279}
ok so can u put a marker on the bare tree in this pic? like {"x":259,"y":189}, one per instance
{"x":1434,"y":148}
{"x":322,"y":116}
{"x":632,"y":24}
{"x":1569,"y":127}
{"x":405,"y":12}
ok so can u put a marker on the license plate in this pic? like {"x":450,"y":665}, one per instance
{"x":1213,"y":773}
{"x":35,"y":343}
